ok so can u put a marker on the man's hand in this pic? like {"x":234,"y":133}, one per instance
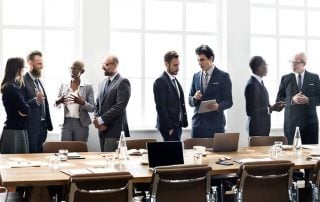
{"x":213,"y":106}
{"x":278,"y":106}
{"x":300,"y":98}
{"x":197,"y":95}
{"x":102,"y":128}
{"x":39,"y":97}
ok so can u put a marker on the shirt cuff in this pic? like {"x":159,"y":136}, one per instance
{"x":100,"y":121}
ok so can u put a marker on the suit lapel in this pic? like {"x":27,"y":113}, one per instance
{"x":111,"y":86}
{"x":262,"y":88}
{"x":165,"y":75}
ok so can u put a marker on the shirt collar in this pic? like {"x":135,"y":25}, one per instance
{"x":113,"y":76}
{"x":32,"y":77}
{"x":302,"y":74}
{"x":209,"y":71}
{"x":170,"y":76}
{"x":259,"y":78}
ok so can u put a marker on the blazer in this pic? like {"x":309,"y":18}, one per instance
{"x":13,"y":101}
{"x":257,"y":103}
{"x":111,"y":106}
{"x":219,"y":88}
{"x":34,"y":117}
{"x":86,"y":92}
{"x":304,"y":116}
{"x":169,"y":105}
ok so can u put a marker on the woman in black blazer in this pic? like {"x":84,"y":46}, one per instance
{"x":14,"y":137}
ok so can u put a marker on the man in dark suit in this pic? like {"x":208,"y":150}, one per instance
{"x":211,"y":84}
{"x":300,"y":91}
{"x":110,"y":113}
{"x":38,"y":120}
{"x":169,"y":99}
{"x":257,"y":99}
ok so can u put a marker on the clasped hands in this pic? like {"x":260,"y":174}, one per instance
{"x":100,"y":127}
{"x":300,"y":98}
{"x":71,"y":98}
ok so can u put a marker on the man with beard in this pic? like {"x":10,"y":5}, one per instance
{"x":112,"y":99}
{"x":38,"y":120}
{"x":169,"y":99}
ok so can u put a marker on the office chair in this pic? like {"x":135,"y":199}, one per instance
{"x":266,"y":140}
{"x":102,"y":187}
{"x":205,"y":142}
{"x":71,"y":146}
{"x":268,"y":181}
{"x":186,"y":183}
{"x":315,"y":182}
{"x":138,"y":143}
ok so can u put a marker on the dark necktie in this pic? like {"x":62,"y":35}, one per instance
{"x":262,"y":83}
{"x":175,"y":86}
{"x":106,"y":87}
{"x":42,"y":104}
{"x":299,"y":82}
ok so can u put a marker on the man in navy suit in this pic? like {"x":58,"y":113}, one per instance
{"x":38,"y":120}
{"x":257,"y":99}
{"x":169,"y":99}
{"x":212,"y":84}
{"x":300,"y":91}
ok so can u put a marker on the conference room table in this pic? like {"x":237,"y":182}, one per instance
{"x":33,"y":170}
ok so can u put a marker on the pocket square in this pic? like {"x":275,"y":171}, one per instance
{"x":215,"y":83}
{"x":310,"y":84}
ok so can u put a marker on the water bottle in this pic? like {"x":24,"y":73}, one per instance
{"x":297,"y":144}
{"x":122,"y":150}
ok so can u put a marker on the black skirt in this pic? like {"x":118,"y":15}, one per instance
{"x":14,"y":141}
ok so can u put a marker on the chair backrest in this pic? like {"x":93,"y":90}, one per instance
{"x":186,"y":183}
{"x":106,"y":187}
{"x":266,"y":140}
{"x":71,"y":146}
{"x":138,"y":143}
{"x":265,"y":181}
{"x":205,"y":142}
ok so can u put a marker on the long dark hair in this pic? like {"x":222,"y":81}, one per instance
{"x":13,"y":67}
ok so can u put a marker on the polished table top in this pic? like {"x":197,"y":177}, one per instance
{"x":43,"y":175}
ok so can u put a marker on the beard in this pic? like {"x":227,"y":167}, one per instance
{"x":106,"y":73}
{"x":35,"y":72}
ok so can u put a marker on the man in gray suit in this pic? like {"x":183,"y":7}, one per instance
{"x":38,"y":120}
{"x":110,"y":113}
{"x":300,"y":91}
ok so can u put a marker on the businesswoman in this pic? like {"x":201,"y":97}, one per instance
{"x":14,"y":137}
{"x":78,"y":100}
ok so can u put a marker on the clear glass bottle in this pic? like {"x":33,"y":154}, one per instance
{"x":297,"y":144}
{"x":122,"y":147}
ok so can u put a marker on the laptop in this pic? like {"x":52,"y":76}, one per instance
{"x":225,"y":142}
{"x":165,"y":153}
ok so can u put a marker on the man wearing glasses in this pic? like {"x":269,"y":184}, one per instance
{"x":210,"y":95}
{"x":300,"y":91}
{"x":110,"y":112}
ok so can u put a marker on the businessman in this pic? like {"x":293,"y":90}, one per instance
{"x":257,"y":99}
{"x":212,"y":84}
{"x":110,"y":112}
{"x":169,"y":99}
{"x":300,"y":91}
{"x":38,"y":120}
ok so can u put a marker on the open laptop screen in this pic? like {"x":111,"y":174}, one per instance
{"x":165,"y":153}
{"x":225,"y":142}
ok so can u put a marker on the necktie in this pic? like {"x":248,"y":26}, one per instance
{"x":42,"y":104}
{"x":205,"y":82}
{"x":106,"y":87}
{"x":175,"y":86}
{"x":299,"y":82}
{"x":262,"y":83}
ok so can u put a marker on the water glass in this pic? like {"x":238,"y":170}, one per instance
{"x":197,"y":157}
{"x":54,"y":162}
{"x":278,"y":144}
{"x":63,"y":154}
{"x":110,"y":159}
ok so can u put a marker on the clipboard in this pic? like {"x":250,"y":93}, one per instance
{"x":204,"y":106}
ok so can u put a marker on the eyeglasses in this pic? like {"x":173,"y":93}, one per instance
{"x":296,"y":63}
{"x":107,"y":64}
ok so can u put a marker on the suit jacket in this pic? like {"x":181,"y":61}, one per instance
{"x":219,"y":88}
{"x":13,"y":101}
{"x":171,"y":109}
{"x":86,"y":92}
{"x":304,"y":116}
{"x":111,"y":106}
{"x":34,"y":117}
{"x":257,"y":103}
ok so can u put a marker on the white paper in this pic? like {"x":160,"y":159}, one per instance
{"x":204,"y":106}
{"x":247,"y":160}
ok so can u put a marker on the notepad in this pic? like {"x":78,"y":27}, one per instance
{"x":204,"y":106}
